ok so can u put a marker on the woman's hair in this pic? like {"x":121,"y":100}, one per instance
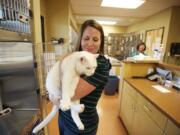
{"x":96,"y":25}
{"x":142,"y":43}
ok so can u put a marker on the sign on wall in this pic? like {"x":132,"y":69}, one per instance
{"x":153,"y":42}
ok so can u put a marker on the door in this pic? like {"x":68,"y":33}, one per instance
{"x":127,"y":111}
{"x":143,"y":124}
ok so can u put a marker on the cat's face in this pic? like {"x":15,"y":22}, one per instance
{"x":87,"y":63}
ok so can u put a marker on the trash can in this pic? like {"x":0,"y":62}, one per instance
{"x":112,"y":85}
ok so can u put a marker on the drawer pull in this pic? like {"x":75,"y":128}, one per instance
{"x":147,"y":108}
{"x":134,"y":108}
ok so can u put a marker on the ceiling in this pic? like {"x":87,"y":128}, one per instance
{"x":91,"y":9}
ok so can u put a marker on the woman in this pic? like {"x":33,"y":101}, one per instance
{"x":89,"y":89}
{"x":141,"y":48}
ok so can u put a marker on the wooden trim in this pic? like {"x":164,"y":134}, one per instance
{"x":140,"y":61}
{"x":169,"y":66}
{"x":29,"y":127}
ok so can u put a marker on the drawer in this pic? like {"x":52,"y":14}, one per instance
{"x":159,"y":118}
{"x":130,"y":90}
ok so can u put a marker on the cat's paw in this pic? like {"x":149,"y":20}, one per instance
{"x":65,"y":105}
{"x":80,"y":126}
{"x":81,"y":108}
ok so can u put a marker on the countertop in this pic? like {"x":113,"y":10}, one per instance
{"x":167,"y":103}
{"x":116,"y":63}
{"x":141,"y":61}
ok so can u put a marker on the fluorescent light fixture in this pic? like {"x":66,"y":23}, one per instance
{"x":132,"y":4}
{"x":107,"y":22}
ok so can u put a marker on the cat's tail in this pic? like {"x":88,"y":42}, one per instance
{"x":46,"y":120}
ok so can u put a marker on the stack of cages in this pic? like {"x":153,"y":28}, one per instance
{"x":48,"y":61}
{"x":14,"y":15}
{"x":122,"y":46}
{"x":21,"y":94}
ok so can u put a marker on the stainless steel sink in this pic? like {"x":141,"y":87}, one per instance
{"x":13,"y":123}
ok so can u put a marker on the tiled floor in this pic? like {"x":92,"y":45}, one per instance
{"x":109,"y":122}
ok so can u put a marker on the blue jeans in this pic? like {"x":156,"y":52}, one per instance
{"x":65,"y":131}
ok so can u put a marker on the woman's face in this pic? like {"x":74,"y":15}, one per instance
{"x":91,"y":40}
{"x":141,"y":48}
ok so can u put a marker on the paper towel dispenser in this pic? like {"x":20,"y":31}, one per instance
{"x":175,"y":49}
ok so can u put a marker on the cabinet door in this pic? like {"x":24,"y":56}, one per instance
{"x":127,"y":112}
{"x":143,"y":124}
{"x":172,"y":129}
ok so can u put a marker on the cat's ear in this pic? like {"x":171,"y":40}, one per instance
{"x":96,"y":55}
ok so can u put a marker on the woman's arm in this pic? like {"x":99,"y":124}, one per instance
{"x":83,"y":88}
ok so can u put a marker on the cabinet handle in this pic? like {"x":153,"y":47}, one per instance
{"x":132,"y":107}
{"x":147,"y":108}
{"x":136,"y":109}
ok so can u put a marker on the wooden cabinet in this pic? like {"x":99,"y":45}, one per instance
{"x":129,"y":99}
{"x":141,"y":117}
{"x":158,"y":117}
{"x":156,"y":112}
{"x":171,"y":129}
{"x":127,"y":111}
{"x":143,"y":123}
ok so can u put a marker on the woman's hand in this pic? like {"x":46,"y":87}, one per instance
{"x":54,"y":99}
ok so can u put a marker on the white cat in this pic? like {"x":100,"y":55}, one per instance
{"x":61,"y":83}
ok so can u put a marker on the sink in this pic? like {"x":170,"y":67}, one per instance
{"x":14,"y":122}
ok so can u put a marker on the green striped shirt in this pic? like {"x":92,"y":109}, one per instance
{"x":89,"y":116}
